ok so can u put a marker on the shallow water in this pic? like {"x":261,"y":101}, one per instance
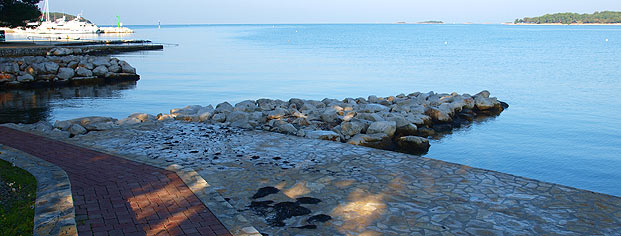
{"x":562,"y":83}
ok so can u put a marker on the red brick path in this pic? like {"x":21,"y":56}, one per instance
{"x":115,"y":196}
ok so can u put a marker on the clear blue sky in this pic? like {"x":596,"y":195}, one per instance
{"x":320,"y":11}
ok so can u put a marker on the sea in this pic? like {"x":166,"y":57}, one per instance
{"x":563,"y":84}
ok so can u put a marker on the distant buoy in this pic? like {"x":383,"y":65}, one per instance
{"x":445,"y":42}
{"x":296,"y":31}
{"x":606,"y":40}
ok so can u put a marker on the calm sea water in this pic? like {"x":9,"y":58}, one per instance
{"x":563,"y":84}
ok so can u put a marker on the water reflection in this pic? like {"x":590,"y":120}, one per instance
{"x":30,"y":106}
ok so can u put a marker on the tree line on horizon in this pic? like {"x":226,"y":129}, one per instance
{"x":14,"y":13}
{"x":604,"y":17}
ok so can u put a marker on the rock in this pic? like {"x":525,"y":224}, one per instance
{"x":244,"y":124}
{"x":62,"y":125}
{"x":219,"y":117}
{"x":43,"y":126}
{"x":101,"y":126}
{"x":101,"y":61}
{"x":25,"y":78}
{"x":224,"y":107}
{"x":6,"y":77}
{"x":379,"y":140}
{"x":72,"y":65}
{"x":246,"y":106}
{"x":426,"y":132}
{"x":129,"y":121}
{"x":76,"y":129}
{"x":287,"y":129}
{"x":407,"y":130}
{"x":65,"y":73}
{"x":127,"y":68}
{"x":413,"y":144}
{"x":164,"y":117}
{"x":83,"y":72}
{"x":438,"y":115}
{"x":237,"y":116}
{"x":369,"y":116}
{"x":329,"y":115}
{"x":50,"y":67}
{"x":100,"y":71}
{"x":372,"y":108}
{"x":351,"y":128}
{"x":61,"y":51}
{"x":205,"y":115}
{"x":114,"y":68}
{"x":9,"y":67}
{"x":143,"y":117}
{"x":383,"y":127}
{"x":324,"y":135}
{"x":277,"y":113}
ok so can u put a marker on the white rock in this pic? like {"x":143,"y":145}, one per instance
{"x":384,"y":127}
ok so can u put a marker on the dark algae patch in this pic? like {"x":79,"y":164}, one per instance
{"x":262,"y":192}
{"x":319,"y":218}
{"x":18,"y":190}
{"x":308,"y":200}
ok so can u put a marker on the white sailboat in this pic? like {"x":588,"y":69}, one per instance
{"x":61,"y":26}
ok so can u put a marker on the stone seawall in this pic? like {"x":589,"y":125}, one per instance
{"x":100,"y":49}
{"x":54,"y":71}
{"x":402,"y":123}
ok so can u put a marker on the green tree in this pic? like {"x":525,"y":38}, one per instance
{"x":14,"y":13}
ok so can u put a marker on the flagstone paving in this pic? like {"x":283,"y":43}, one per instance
{"x":286,"y":185}
{"x":115,"y":196}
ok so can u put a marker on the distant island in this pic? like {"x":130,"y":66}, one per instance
{"x":423,"y":22}
{"x":604,"y":17}
{"x":431,"y":22}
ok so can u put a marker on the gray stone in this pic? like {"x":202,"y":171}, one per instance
{"x":219,"y":117}
{"x":127,"y":68}
{"x":114,"y":68}
{"x":384,"y":127}
{"x":224,"y":107}
{"x":372,"y":108}
{"x":329,"y":115}
{"x":101,"y":61}
{"x":143,"y":117}
{"x":351,"y":128}
{"x":76,"y":129}
{"x":25,"y":78}
{"x":277,"y":113}
{"x":407,"y":130}
{"x":237,"y":116}
{"x":9,"y":67}
{"x":129,"y":121}
{"x":65,"y":73}
{"x":62,"y":125}
{"x":100,"y":71}
{"x":372,"y":140}
{"x":413,"y":144}
{"x":369,"y":116}
{"x":83,"y":72}
{"x":246,"y":106}
{"x":50,"y":67}
{"x":438,"y":115}
{"x":287,"y":129}
{"x":324,"y":135}
{"x":100,"y":126}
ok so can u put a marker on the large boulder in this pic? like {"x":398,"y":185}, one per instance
{"x":50,"y":67}
{"x":100,"y":71}
{"x":372,"y":108}
{"x":83,"y":72}
{"x":101,"y":126}
{"x":25,"y":78}
{"x":127,"y":68}
{"x":330,"y":115}
{"x":65,"y":73}
{"x":277,"y":113}
{"x":351,"y":128}
{"x":245,"y":106}
{"x":9,"y":67}
{"x":438,"y":115}
{"x":382,"y":127}
{"x":379,"y":140}
{"x":76,"y":129}
{"x":287,"y":128}
{"x":224,"y":107}
{"x":413,"y":144}
{"x":369,"y":116}
{"x":101,"y":61}
{"x":236,"y":116}
{"x":324,"y":135}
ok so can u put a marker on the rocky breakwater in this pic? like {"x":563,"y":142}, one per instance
{"x":49,"y":71}
{"x":402,"y":123}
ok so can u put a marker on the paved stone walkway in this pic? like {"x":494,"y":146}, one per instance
{"x":115,"y":196}
{"x":365,"y":191}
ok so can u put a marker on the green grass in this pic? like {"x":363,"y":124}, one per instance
{"x":18,"y":190}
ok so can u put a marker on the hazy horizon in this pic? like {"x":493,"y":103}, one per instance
{"x":318,"y":12}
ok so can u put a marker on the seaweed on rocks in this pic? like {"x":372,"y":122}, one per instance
{"x":262,"y":192}
{"x":318,"y":218}
{"x":308,"y":200}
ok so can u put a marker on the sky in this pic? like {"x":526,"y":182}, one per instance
{"x":143,"y":12}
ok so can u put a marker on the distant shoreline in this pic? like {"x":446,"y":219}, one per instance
{"x":561,"y":24}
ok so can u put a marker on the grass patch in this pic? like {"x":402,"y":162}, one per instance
{"x":18,"y":190}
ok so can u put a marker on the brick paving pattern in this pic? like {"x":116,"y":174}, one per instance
{"x":115,"y":196}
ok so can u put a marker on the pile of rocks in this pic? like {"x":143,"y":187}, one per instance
{"x":402,"y":122}
{"x":42,"y":71}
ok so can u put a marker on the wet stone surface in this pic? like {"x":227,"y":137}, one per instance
{"x":362,"y":190}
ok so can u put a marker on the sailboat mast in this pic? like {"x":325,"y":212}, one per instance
{"x":46,"y":11}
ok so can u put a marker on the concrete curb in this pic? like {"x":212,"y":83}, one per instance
{"x":54,"y":211}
